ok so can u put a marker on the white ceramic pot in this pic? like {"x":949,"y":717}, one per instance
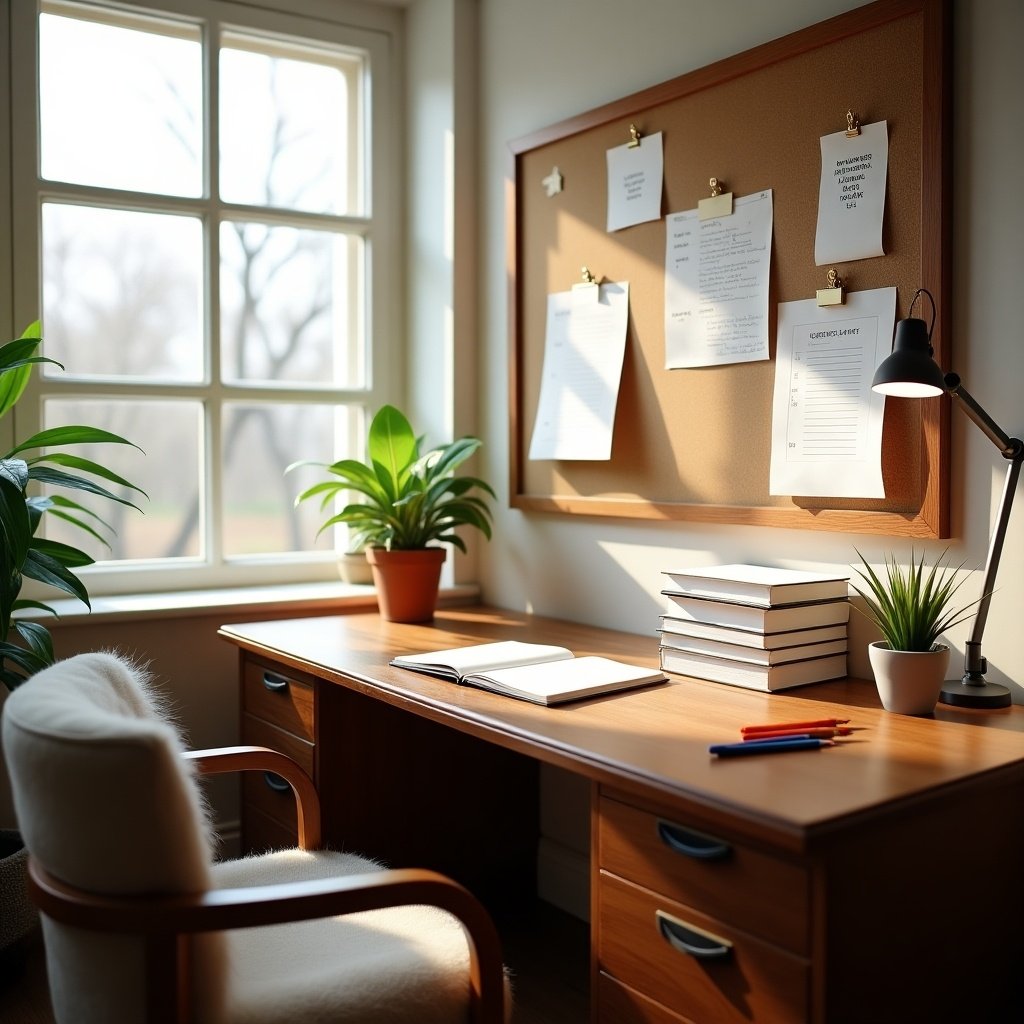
{"x":908,"y":682}
{"x":354,"y":568}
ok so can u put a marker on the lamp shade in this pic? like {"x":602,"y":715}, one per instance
{"x":910,"y":372}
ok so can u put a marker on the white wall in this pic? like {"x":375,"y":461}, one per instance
{"x":441,"y":145}
{"x":541,"y":62}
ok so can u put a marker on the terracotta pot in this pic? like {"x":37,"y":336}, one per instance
{"x":909,"y":682}
{"x":406,"y":582}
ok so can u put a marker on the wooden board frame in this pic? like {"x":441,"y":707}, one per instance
{"x":916,"y":441}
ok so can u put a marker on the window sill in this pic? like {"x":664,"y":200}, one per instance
{"x":306,"y":598}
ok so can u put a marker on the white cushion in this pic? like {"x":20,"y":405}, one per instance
{"x":407,"y":965}
{"x":106,"y":803}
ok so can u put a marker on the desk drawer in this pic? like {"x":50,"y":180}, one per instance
{"x":260,"y":792}
{"x":642,"y":943}
{"x":283,"y":699}
{"x":257,"y":732}
{"x":619,"y":1004}
{"x":262,"y":833}
{"x":754,"y":891}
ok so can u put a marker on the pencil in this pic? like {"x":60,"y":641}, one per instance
{"x":813,"y":732}
{"x":779,"y":746}
{"x":820,"y":723}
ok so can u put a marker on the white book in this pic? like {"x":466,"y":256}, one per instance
{"x":762,"y":585}
{"x":752,"y":655}
{"x":540,"y":673}
{"x":753,"y":677}
{"x":750,"y":637}
{"x":761,"y":620}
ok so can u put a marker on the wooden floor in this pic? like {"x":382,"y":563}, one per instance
{"x":534,"y":943}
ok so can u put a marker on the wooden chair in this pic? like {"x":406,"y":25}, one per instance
{"x":141,"y":924}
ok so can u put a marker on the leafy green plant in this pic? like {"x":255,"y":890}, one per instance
{"x":910,"y":607}
{"x":409,"y":500}
{"x":23,"y":554}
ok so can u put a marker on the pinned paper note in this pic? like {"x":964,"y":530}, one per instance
{"x":851,"y":196}
{"x":716,"y":284}
{"x":827,"y":422}
{"x":635,"y":171}
{"x":584,"y":347}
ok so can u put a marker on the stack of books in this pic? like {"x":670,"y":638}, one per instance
{"x":755,"y":626}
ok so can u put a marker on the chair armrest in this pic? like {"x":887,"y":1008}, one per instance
{"x":263,"y":759}
{"x":223,"y":909}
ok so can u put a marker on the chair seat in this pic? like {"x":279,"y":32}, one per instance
{"x":407,"y":965}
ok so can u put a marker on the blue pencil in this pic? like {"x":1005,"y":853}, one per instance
{"x":778,"y":746}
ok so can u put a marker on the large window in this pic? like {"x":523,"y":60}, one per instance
{"x":206,"y":236}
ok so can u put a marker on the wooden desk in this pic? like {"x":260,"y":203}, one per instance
{"x":874,"y":881}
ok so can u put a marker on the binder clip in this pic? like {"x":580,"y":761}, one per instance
{"x":718,"y":205}
{"x":634,"y":137}
{"x":553,"y":182}
{"x":833,"y":294}
{"x":587,"y":290}
{"x":852,"y":125}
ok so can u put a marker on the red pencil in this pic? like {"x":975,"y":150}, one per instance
{"x":821,"y":723}
{"x":826,"y":733}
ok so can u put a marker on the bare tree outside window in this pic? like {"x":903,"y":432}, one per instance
{"x":224,"y":372}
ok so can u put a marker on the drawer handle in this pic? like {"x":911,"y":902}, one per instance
{"x":275,"y":683}
{"x":692,"y":844}
{"x":276,"y":783}
{"x":685,"y":938}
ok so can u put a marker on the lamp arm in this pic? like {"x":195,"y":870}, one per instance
{"x":1012,"y":449}
{"x":1009,"y":447}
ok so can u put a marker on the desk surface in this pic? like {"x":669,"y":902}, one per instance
{"x":656,"y":739}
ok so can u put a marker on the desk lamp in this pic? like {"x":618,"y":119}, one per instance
{"x":910,"y":372}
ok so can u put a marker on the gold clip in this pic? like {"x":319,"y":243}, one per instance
{"x":587,"y":290}
{"x":852,"y":125}
{"x":718,"y":205}
{"x":833,"y":294}
{"x":634,"y":137}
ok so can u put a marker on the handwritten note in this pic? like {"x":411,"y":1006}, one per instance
{"x":851,"y":196}
{"x":716,"y":285}
{"x":827,"y":422}
{"x":584,"y":346}
{"x":634,"y":182}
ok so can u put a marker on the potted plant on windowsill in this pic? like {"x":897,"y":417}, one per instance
{"x":912,"y":609}
{"x":408,"y":505}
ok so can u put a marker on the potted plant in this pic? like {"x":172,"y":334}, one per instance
{"x":408,"y":504}
{"x":912,"y":609}
{"x":23,"y":555}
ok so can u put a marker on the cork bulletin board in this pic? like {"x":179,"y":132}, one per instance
{"x":695,"y":444}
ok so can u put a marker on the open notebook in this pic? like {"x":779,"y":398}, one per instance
{"x":540,"y":673}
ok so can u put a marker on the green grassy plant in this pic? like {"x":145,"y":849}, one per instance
{"x":911,"y":606}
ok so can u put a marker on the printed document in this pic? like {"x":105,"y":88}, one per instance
{"x":851,"y":198}
{"x":716,"y":285}
{"x":634,"y":182}
{"x":584,"y":347}
{"x":827,"y":422}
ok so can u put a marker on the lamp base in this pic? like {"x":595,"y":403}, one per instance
{"x":974,"y":695}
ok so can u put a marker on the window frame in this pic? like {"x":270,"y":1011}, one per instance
{"x":376,"y":33}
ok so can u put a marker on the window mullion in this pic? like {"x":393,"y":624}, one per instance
{"x":213,"y":420}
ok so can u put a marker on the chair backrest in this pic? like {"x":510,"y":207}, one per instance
{"x":106,"y":803}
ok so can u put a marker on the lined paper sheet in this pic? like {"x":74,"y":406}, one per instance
{"x":827,"y":422}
